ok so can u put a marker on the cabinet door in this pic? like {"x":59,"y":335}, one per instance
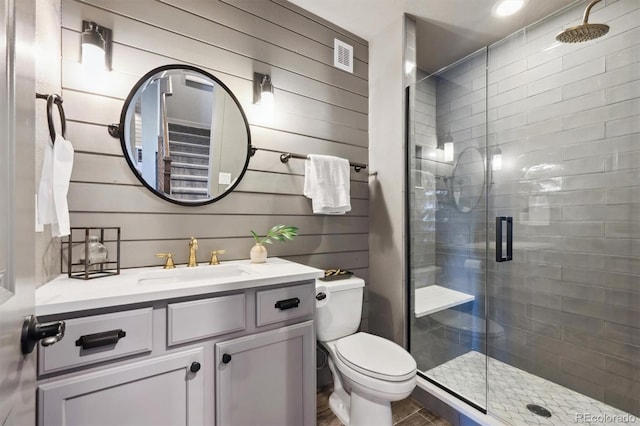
{"x":159,"y":391}
{"x":267,"y":379}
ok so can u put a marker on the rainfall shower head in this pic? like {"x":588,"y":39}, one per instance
{"x":584,"y":31}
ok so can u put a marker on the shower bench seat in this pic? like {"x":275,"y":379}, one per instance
{"x":434,"y":298}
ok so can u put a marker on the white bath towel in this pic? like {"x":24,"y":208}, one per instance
{"x":326,"y":182}
{"x":54,"y":186}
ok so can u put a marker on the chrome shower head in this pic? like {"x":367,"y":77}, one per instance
{"x":584,"y":31}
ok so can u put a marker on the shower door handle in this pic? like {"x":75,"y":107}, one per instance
{"x":509,"y":238}
{"x":499,"y":221}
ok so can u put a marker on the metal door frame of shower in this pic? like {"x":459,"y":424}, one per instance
{"x":408,"y":251}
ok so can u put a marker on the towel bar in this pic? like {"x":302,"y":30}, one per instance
{"x":285,"y":156}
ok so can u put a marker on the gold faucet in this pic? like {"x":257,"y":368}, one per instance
{"x":169,"y":263}
{"x":214,"y":256}
{"x":193,"y":246}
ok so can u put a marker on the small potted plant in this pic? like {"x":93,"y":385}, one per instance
{"x":282,"y":233}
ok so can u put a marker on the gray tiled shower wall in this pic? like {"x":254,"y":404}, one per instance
{"x":567,"y":120}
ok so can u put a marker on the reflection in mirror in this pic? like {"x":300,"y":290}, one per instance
{"x":468,"y":179}
{"x":185,"y":135}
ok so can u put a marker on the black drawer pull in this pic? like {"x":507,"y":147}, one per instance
{"x":195,"y":367}
{"x":226,"y":358}
{"x":106,"y":338}
{"x":283,"y":305}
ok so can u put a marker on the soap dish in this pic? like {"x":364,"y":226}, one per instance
{"x":336,"y":274}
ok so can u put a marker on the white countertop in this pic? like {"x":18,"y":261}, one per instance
{"x":140,"y":285}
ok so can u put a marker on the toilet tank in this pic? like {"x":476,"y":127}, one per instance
{"x":339,"y":313}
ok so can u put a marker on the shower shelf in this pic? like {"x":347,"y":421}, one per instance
{"x":435,"y":298}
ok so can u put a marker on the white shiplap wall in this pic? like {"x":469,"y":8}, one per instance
{"x":319,"y":109}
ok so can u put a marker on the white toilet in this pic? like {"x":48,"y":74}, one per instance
{"x":368,"y":371}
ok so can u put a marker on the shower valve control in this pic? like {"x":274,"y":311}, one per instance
{"x":321,"y":296}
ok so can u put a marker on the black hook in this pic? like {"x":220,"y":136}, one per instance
{"x":114,"y":130}
{"x":54,"y":99}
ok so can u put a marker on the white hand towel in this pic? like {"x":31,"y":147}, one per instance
{"x":46,"y":210}
{"x":327,"y":183}
{"x":54,"y":186}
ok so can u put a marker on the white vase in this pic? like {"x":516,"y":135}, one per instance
{"x":258,"y":253}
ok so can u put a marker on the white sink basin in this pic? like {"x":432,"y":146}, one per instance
{"x":200,"y":273}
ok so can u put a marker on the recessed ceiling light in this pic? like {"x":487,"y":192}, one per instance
{"x":507,"y":7}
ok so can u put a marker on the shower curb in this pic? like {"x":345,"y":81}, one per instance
{"x":462,"y":408}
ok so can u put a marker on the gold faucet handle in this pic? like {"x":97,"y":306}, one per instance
{"x":169,"y":263}
{"x":214,"y":256}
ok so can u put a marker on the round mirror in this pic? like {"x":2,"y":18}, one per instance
{"x":467,"y":179}
{"x":185,"y":135}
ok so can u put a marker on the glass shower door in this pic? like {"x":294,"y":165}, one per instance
{"x":524,"y":224}
{"x":564,"y":157}
{"x":447,"y":227}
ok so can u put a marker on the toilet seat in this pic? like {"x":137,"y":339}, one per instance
{"x":376,"y":357}
{"x":374,"y":388}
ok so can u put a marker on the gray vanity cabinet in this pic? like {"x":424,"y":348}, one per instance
{"x":244,"y":357}
{"x":266,"y":379}
{"x":156,"y":391}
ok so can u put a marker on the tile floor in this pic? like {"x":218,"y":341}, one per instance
{"x":407,"y":412}
{"x":509,"y":396}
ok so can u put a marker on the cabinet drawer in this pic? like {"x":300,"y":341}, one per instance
{"x":282,"y":304}
{"x":205,"y":318}
{"x":88,"y":340}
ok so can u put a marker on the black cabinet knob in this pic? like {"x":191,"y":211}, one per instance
{"x":226,"y":359}
{"x":321,"y":296}
{"x":195,"y":367}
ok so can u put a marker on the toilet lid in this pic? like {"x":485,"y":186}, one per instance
{"x":376,"y":357}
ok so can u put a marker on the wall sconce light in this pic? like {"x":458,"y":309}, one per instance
{"x":448,"y":151}
{"x":496,"y":159}
{"x":446,"y":143}
{"x":96,"y":47}
{"x":262,"y":89}
{"x":409,"y":66}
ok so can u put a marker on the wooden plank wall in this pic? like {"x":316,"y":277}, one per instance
{"x":319,"y":109}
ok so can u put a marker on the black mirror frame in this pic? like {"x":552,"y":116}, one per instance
{"x":124,"y":146}
{"x":484,"y":179}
